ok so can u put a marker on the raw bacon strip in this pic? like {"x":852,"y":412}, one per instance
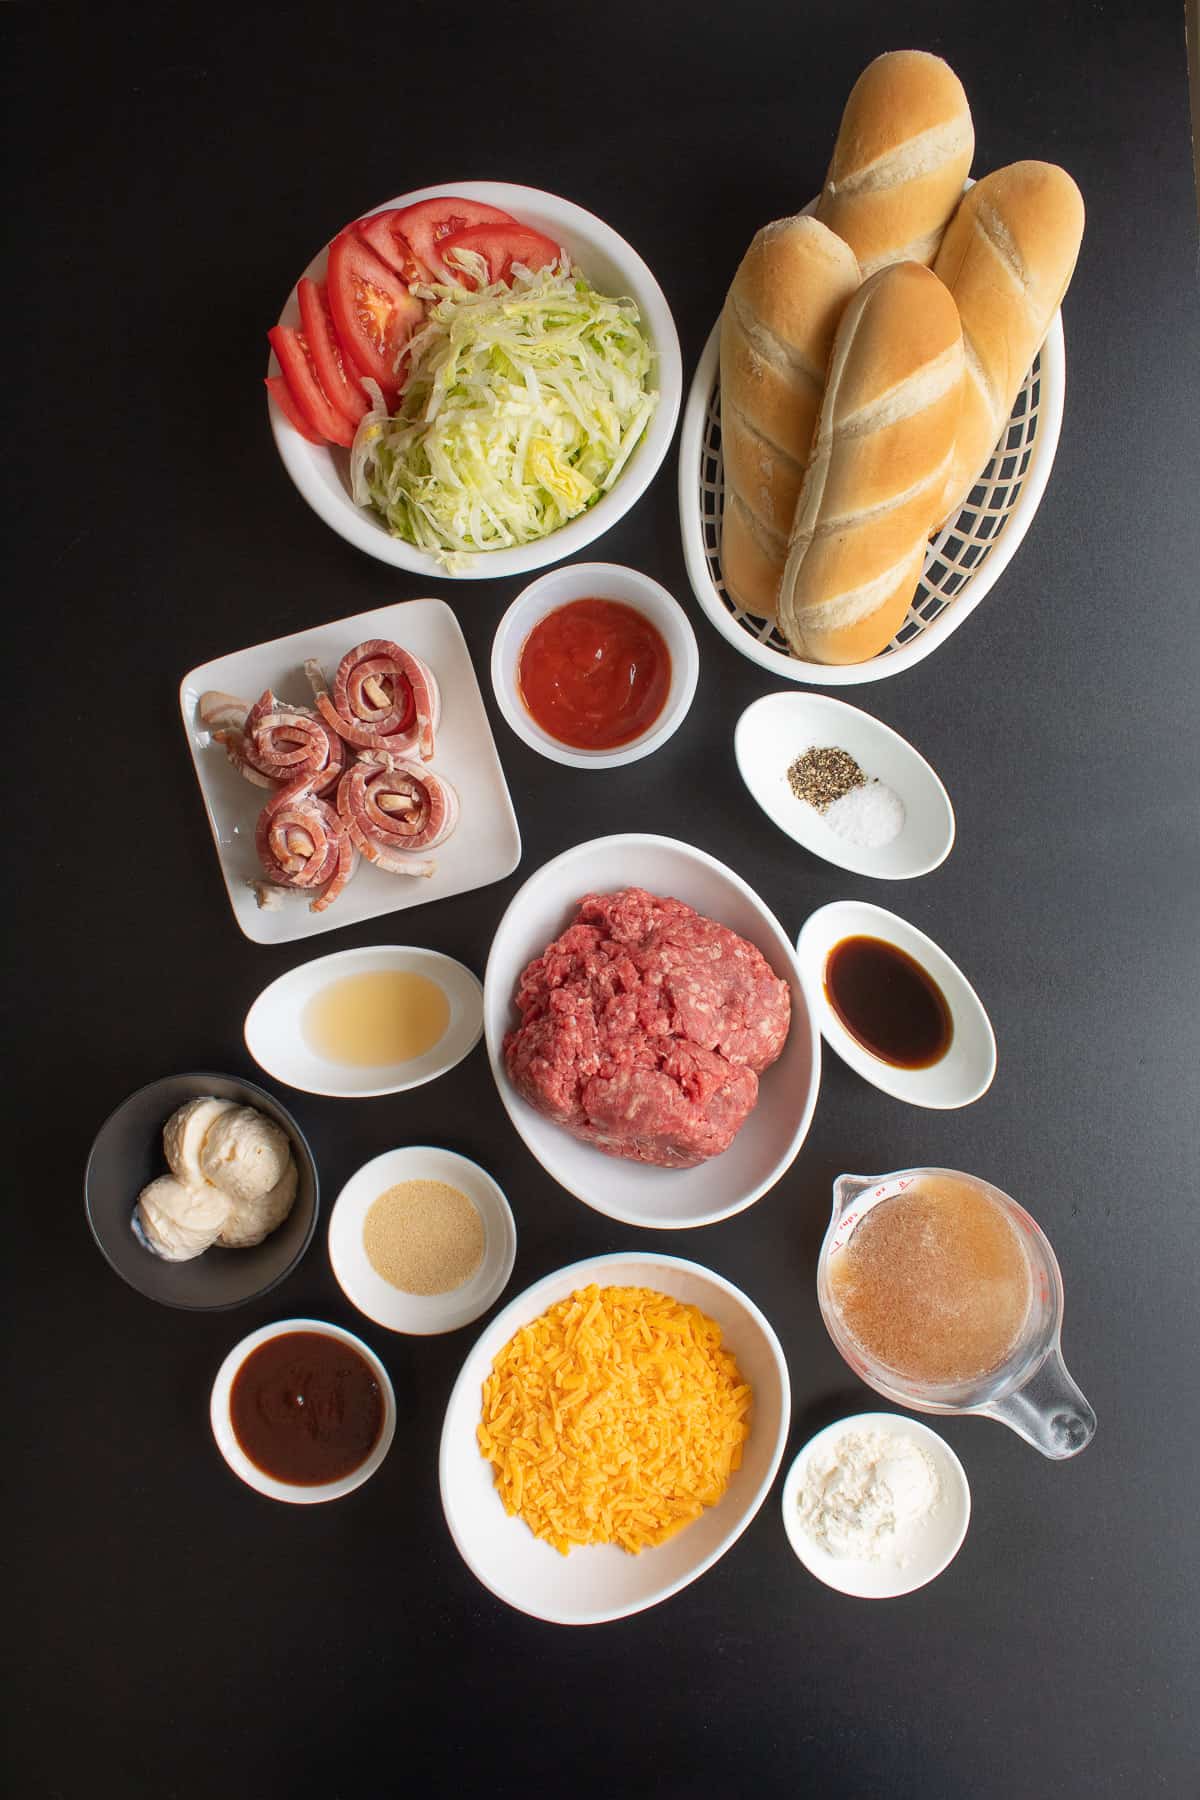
{"x":237,"y":750}
{"x":225,"y":716}
{"x":384,"y":699}
{"x":285,"y":742}
{"x":393,"y":808}
{"x":302,"y":843}
{"x":224,"y":712}
{"x":274,"y":743}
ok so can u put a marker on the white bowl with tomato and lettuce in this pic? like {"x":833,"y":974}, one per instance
{"x":474,"y":380}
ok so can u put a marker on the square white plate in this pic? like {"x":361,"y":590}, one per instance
{"x":487,"y":844}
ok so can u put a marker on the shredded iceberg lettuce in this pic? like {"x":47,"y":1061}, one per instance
{"x":522,"y":406}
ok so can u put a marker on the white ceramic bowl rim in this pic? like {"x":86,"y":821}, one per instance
{"x":909,"y":771}
{"x":421,"y":1315}
{"x":839,"y":1573}
{"x":267,"y":1027}
{"x":577,"y":581}
{"x":309,"y":466}
{"x":933,"y":1087}
{"x":235,"y":1456}
{"x":529,"y":1305}
{"x":603,"y":1176}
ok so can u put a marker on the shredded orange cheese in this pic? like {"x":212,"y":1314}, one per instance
{"x":614,"y":1418}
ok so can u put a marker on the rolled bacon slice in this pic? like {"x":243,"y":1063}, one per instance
{"x":384,"y":698}
{"x":302,"y":843}
{"x":392,"y":809}
{"x":276,"y":743}
{"x":218,"y":711}
{"x":224,"y":715}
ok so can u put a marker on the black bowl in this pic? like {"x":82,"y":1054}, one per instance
{"x":128,"y":1153}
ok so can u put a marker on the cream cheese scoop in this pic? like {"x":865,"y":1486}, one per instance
{"x":184,"y":1134}
{"x":178,"y":1222}
{"x":250,"y":1221}
{"x":244,"y":1154}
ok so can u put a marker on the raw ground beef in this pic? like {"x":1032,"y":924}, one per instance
{"x":644,"y":1028}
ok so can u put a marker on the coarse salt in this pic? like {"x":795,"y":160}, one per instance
{"x":867,"y":817}
{"x":867,"y":1496}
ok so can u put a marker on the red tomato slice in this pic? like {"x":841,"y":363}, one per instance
{"x":280,"y":392}
{"x":299,"y":371}
{"x":373,"y":312}
{"x":381,"y":231}
{"x":427,"y":223}
{"x":500,"y":247}
{"x":342,"y":386}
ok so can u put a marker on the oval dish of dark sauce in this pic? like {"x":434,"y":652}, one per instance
{"x":306,"y":1408}
{"x":888,"y":1002}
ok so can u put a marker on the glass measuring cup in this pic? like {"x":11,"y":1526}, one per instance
{"x":1030,"y":1391}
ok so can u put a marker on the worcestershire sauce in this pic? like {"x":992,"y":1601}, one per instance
{"x":306,"y":1408}
{"x":888,"y":1003}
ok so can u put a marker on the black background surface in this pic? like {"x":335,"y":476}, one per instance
{"x":172,"y":1633}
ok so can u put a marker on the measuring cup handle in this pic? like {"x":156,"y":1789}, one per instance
{"x":1049,"y":1412}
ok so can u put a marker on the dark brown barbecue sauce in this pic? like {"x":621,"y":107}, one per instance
{"x":306,"y":1408}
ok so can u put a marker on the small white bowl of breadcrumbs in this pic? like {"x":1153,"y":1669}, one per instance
{"x":422,"y":1240}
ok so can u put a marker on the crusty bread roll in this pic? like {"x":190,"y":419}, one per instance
{"x":875,"y":481}
{"x":776,"y":330}
{"x":1007,"y":257}
{"x":902,"y":154}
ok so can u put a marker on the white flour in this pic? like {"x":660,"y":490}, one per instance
{"x":868,"y":1494}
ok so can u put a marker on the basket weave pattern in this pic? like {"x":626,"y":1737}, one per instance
{"x":953,"y":557}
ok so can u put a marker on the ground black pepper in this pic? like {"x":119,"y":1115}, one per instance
{"x":822,"y":775}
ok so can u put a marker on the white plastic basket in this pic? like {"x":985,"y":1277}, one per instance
{"x":962,"y":564}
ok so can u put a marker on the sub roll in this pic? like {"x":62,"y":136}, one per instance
{"x":875,"y":484}
{"x":902,"y":154}
{"x":1007,"y":257}
{"x":777,"y":328}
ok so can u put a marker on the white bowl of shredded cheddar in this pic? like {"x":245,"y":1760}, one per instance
{"x":645,"y":1373}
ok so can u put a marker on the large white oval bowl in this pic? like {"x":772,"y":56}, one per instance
{"x":636,"y":1193}
{"x":600,"y":1582}
{"x":614,"y":268}
{"x":274,"y":1025}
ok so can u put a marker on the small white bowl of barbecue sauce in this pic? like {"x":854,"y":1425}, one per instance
{"x":303,"y":1411}
{"x":595,"y":665}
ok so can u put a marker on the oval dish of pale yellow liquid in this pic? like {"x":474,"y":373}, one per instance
{"x":366,"y":1022}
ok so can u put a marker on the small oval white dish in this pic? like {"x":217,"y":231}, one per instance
{"x":421,"y":1315}
{"x":275,"y":1036}
{"x":932,"y":1550}
{"x":774,"y":731}
{"x":604,"y":581}
{"x":633,"y":1192}
{"x":249,"y":1472}
{"x":601,"y":1581}
{"x":964,"y":1072}
{"x":321,"y":472}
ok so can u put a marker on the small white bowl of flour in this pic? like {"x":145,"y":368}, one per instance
{"x":876,"y":1505}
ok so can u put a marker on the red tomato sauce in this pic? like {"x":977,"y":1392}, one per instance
{"x":594,"y":674}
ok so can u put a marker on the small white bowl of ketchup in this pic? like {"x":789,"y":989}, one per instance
{"x":594,"y":665}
